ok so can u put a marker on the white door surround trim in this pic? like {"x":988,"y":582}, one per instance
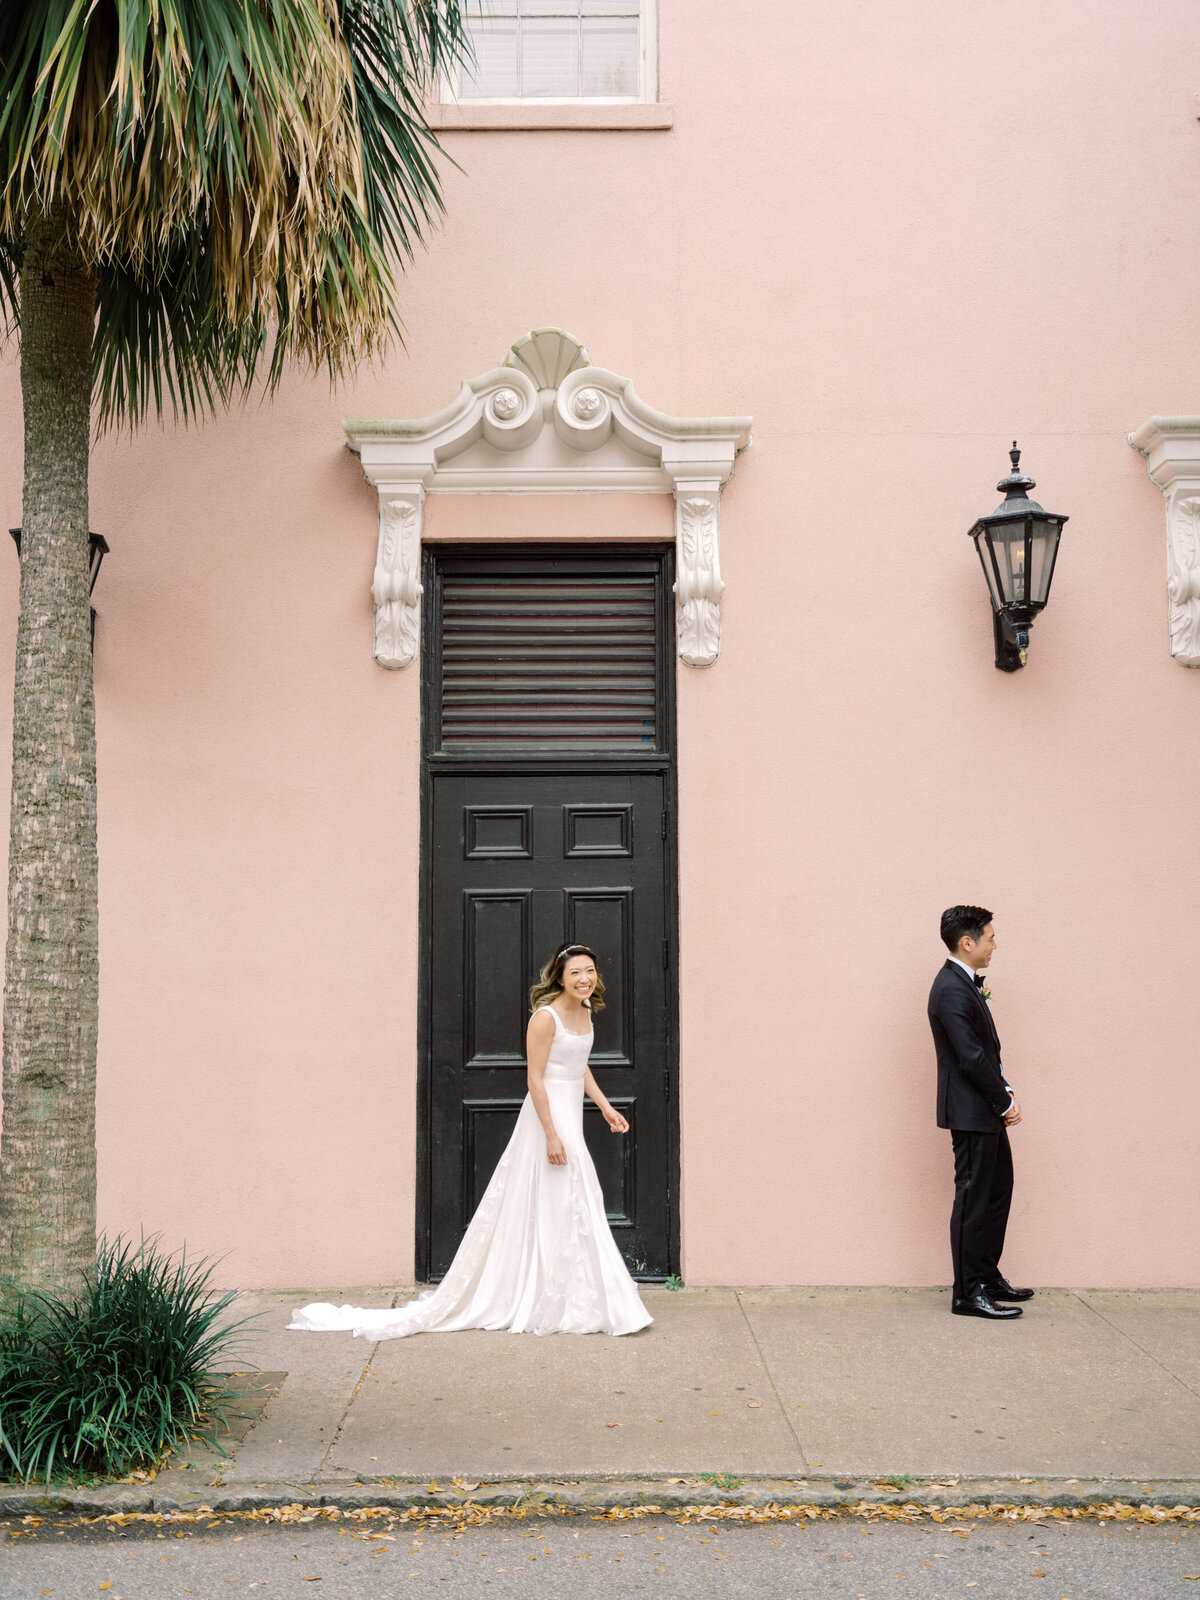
{"x":548,"y":422}
{"x":1171,"y":446}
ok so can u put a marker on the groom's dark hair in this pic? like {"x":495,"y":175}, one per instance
{"x":971,"y":920}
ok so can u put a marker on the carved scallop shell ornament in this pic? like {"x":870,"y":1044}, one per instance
{"x":547,"y":355}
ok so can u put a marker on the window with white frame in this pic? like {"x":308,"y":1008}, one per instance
{"x":600,"y":50}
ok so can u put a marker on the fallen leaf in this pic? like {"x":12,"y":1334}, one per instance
{"x":614,"y":1424}
{"x":433,"y":1486}
{"x":754,"y":1404}
{"x":1038,"y":1573}
{"x":716,"y":1413}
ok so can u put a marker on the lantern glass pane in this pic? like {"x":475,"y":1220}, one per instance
{"x":1008,"y":541}
{"x":1045,"y":542}
{"x":989,"y":572}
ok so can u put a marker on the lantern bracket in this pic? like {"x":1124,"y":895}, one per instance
{"x":1012,"y":643}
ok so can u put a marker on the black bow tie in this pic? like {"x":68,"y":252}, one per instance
{"x":979,"y":980}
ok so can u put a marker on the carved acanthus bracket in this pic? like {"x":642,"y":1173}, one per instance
{"x":548,"y":422}
{"x":1171,"y":446}
{"x":1183,"y":574}
{"x":698,"y":583}
{"x":397,"y":588}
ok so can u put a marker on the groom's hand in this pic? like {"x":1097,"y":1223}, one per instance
{"x":1012,"y":1116}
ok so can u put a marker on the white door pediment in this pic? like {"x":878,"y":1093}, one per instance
{"x":548,"y":422}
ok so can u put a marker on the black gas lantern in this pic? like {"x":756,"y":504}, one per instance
{"x":97,"y":550}
{"x":1017,"y":545}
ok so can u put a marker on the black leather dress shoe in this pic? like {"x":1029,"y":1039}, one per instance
{"x":981,"y":1305}
{"x":1000,"y":1290}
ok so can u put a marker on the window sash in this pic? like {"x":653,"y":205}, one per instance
{"x":545,"y":52}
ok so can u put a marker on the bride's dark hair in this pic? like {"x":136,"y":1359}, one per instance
{"x":549,"y":985}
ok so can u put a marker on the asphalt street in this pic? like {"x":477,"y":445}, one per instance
{"x":583,"y":1558}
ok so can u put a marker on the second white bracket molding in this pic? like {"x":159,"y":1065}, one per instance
{"x":1171,"y":446}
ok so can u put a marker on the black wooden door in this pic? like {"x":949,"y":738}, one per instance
{"x":548,"y":816}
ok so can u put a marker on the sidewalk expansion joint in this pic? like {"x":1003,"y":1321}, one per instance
{"x":337,"y":1434}
{"x":1128,"y":1337}
{"x":737,"y":1294}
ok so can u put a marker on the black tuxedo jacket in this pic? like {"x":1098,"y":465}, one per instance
{"x":970,"y":1085}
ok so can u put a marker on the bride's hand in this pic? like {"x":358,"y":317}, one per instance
{"x":616,"y":1121}
{"x":555,"y":1154}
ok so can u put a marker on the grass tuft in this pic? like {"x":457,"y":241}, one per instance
{"x":110,"y":1378}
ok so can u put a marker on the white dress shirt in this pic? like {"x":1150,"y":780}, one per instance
{"x":970,"y":972}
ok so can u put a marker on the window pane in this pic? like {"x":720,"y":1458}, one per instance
{"x":550,"y":57}
{"x":609,"y":8}
{"x":494,"y":74}
{"x":478,"y":10}
{"x":610,"y":63}
{"x":549,"y":8}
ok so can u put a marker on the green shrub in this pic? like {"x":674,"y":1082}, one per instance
{"x":110,"y":1378}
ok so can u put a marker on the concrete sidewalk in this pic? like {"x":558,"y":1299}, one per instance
{"x":803,"y":1385}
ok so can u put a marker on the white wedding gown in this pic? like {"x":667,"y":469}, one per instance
{"x":538,"y":1256}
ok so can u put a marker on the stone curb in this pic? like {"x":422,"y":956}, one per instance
{"x":594,"y":1495}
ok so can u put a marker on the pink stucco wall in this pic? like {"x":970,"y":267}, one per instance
{"x":897,"y":237}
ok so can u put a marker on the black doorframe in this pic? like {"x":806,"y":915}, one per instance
{"x":664,"y":762}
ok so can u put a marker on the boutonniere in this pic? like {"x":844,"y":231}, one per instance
{"x":985,"y":992}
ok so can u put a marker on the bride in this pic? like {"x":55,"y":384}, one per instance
{"x":538,"y":1256}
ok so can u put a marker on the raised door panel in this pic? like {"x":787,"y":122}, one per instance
{"x":603,"y":918}
{"x":496,"y":960}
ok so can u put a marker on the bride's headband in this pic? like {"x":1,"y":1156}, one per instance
{"x":571,"y":949}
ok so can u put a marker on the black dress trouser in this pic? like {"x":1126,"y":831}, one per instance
{"x":983,"y":1184}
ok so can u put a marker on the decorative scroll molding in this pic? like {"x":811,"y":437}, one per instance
{"x":549,"y":422}
{"x":698,"y":573}
{"x":397,"y":589}
{"x":1171,"y":446}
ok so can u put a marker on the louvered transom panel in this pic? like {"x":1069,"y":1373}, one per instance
{"x":549,"y":661}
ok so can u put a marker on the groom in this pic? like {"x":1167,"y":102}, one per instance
{"x":978,"y":1107}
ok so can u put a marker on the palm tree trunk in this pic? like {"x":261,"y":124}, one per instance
{"x":51,"y":990}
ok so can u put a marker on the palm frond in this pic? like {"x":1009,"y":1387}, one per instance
{"x":243,"y":177}
{"x":398,"y":53}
